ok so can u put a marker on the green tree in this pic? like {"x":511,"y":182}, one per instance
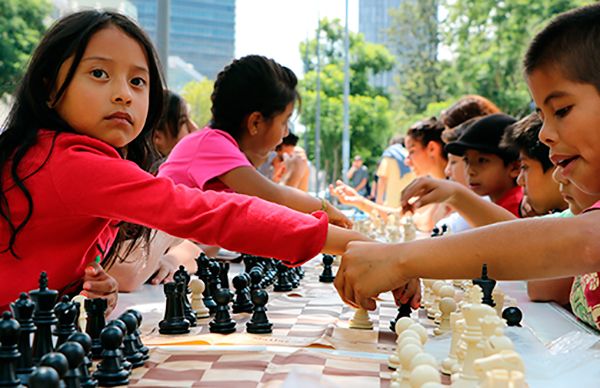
{"x":21,"y":28}
{"x":370,"y":117}
{"x":197,"y":95}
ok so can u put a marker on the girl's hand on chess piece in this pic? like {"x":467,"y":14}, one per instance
{"x":368,"y":269}
{"x":167,"y":265}
{"x":426,"y":190}
{"x":410,"y":293}
{"x":99,"y":284}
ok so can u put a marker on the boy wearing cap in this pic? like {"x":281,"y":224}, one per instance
{"x":491,"y":169}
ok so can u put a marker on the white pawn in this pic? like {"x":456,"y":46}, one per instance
{"x":446,"y":291}
{"x":451,"y":365}
{"x":424,"y":374}
{"x":405,"y":355}
{"x":361,"y":320}
{"x":435,"y":299}
{"x":405,"y":338}
{"x":82,"y":320}
{"x":197,"y":287}
{"x":447,"y":306}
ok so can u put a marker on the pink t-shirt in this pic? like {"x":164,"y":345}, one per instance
{"x":201,"y":157}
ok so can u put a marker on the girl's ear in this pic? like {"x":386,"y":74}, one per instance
{"x":253,"y":121}
{"x":433,"y":149}
{"x":159,"y":139}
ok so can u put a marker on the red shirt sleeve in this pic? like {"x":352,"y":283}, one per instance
{"x":94,"y":181}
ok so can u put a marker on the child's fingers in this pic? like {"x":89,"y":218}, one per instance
{"x":105,"y":286}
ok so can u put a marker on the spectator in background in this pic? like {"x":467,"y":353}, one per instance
{"x":291,"y":166}
{"x":358,"y":176}
{"x":393,"y":174}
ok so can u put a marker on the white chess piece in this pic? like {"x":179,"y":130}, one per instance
{"x":435,"y":299}
{"x":422,"y":374}
{"x":447,"y":306}
{"x":394,"y":359}
{"x":197,"y":287}
{"x":507,"y":360}
{"x":451,"y":365}
{"x":361,"y":320}
{"x":82,"y":320}
{"x":446,"y":291}
{"x":498,"y":296}
{"x":504,"y":378}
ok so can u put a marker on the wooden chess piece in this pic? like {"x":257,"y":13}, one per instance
{"x":361,"y":320}
{"x":197,"y":287}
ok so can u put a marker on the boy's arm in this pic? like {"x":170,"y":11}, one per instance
{"x":550,"y":290}
{"x":473,"y":208}
{"x":522,"y":249}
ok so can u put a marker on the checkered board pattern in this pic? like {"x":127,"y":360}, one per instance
{"x":241,"y":369}
{"x":313,"y":315}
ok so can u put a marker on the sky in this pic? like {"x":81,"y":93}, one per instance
{"x":275,"y":28}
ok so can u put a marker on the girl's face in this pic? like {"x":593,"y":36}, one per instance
{"x":108,"y":96}
{"x":269,"y":133}
{"x":571,"y":115}
{"x":420,"y":158}
{"x":455,"y":169}
{"x":164,"y":141}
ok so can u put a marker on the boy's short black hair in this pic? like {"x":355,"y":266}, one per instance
{"x":485,"y":135}
{"x":523,"y":135}
{"x":290,"y":139}
{"x":571,"y":42}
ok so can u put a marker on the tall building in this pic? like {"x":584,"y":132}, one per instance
{"x":374,"y":22}
{"x":202,"y":32}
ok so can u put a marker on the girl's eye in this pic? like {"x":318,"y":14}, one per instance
{"x":563,"y":111}
{"x":97,"y":73}
{"x":138,"y":81}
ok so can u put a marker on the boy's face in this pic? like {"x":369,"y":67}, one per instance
{"x":455,"y":169}
{"x":571,"y":115}
{"x":487,"y":174}
{"x":578,"y":200}
{"x":542,"y":191}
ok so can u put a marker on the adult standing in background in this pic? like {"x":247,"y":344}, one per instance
{"x":358,"y":176}
{"x":393,"y":174}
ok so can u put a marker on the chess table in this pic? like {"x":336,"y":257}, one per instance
{"x":311,"y":344}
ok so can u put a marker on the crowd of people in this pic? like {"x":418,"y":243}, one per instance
{"x":107,"y":183}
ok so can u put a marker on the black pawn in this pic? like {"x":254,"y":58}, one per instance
{"x":259,"y":323}
{"x":182,"y":278}
{"x":43,"y":317}
{"x":214,"y":282}
{"x":513,"y":316}
{"x":130,"y":350}
{"x":75,"y":355}
{"x":85,"y":341}
{"x":404,"y":310}
{"x":203,"y":273}
{"x":222,"y":323}
{"x":111,"y":372}
{"x":58,"y":362}
{"x":23,"y":312}
{"x":327,"y":274}
{"x":487,"y":286}
{"x":138,"y":340}
{"x":256,"y":277}
{"x":224,"y":274}
{"x":66,"y":312}
{"x":95,"y":309}
{"x":121,"y":325}
{"x":283,"y":282}
{"x":242,"y":303}
{"x":9,"y":351}
{"x":44,"y":377}
{"x":173,"y":322}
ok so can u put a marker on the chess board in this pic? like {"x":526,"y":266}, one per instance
{"x":312,"y":315}
{"x":194,"y":367}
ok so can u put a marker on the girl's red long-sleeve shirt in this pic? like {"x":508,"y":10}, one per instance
{"x":81,"y":190}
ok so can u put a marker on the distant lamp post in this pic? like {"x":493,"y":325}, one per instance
{"x":346,"y":127}
{"x":163,"y":22}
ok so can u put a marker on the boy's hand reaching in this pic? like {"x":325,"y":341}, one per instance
{"x":426,"y":190}
{"x":367,"y":269}
{"x":99,"y":284}
{"x":345,"y":194}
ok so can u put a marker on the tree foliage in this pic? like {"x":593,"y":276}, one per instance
{"x":197,"y":95}
{"x":370,"y":118}
{"x":21,"y":28}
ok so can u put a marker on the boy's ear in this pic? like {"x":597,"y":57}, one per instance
{"x":514,"y":168}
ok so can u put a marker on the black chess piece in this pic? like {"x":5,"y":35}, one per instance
{"x":293,"y":277}
{"x":256,"y":276}
{"x":23,"y":312}
{"x":224,"y":274}
{"x":259,"y":323}
{"x":9,"y":351}
{"x":43,"y":318}
{"x":182,"y":278}
{"x":204,"y":274}
{"x":513,"y":316}
{"x":242,"y":303}
{"x":95,"y":322}
{"x":66,"y":312}
{"x":58,"y":362}
{"x":487,"y":286}
{"x":327,"y":274}
{"x":404,"y":310}
{"x":138,"y":340}
{"x":121,"y":325}
{"x":83,"y":339}
{"x":214,"y":282}
{"x":44,"y":377}
{"x":173,"y":322}
{"x":222,"y":323}
{"x":283,"y":283}
{"x":110,"y":371}
{"x":130,"y":351}
{"x":444,"y":229}
{"x":75,"y":355}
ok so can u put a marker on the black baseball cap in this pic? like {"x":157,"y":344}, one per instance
{"x":485,"y":135}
